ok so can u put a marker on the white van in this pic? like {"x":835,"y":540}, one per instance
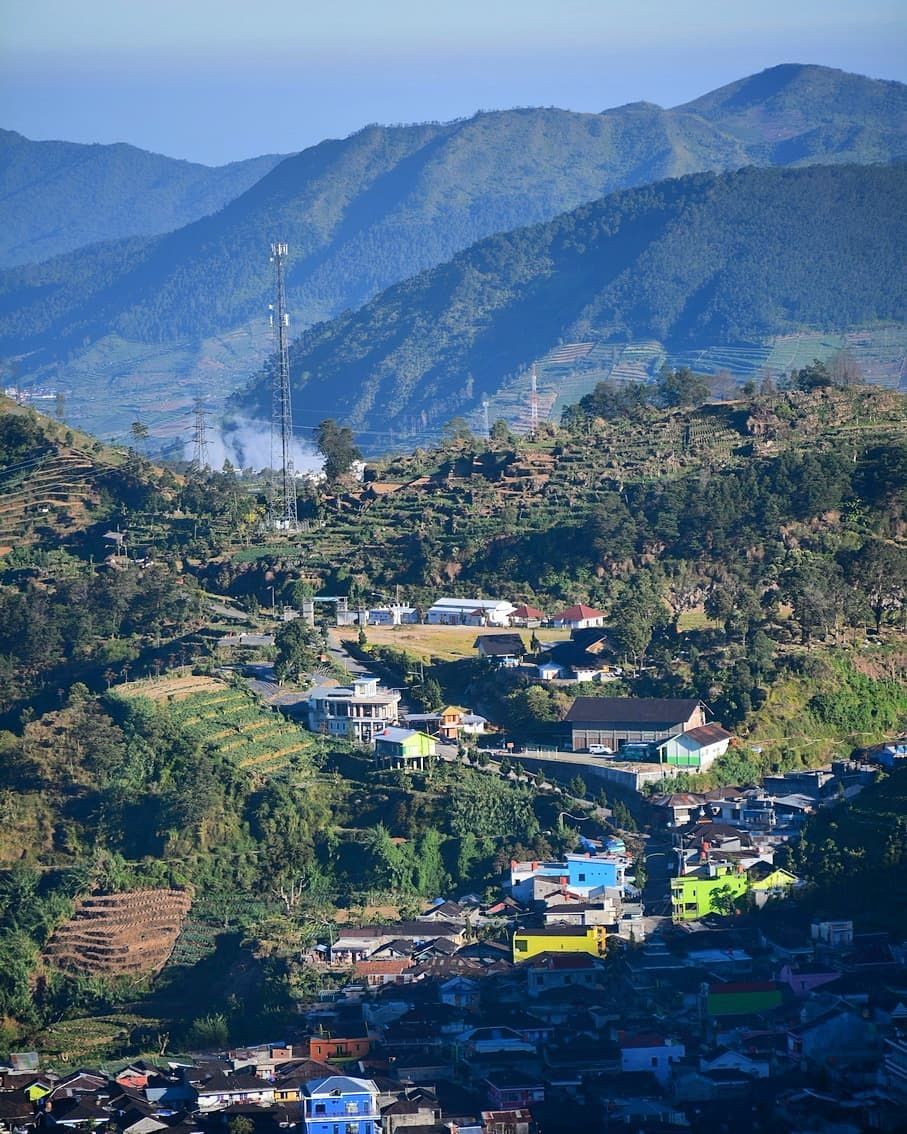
{"x":600,"y":750}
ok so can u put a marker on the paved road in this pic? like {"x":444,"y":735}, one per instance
{"x":659,"y":868}
{"x":228,"y":612}
{"x":583,"y":759}
{"x":248,"y":640}
{"x":340,"y":657}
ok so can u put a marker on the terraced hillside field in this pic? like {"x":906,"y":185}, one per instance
{"x":230,"y":720}
{"x":120,"y":934}
{"x":52,"y":488}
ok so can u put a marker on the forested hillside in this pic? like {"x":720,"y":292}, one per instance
{"x":752,"y":554}
{"x":59,"y":196}
{"x":387,"y":202}
{"x":711,"y":258}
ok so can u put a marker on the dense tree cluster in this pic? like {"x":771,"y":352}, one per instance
{"x":76,"y":626}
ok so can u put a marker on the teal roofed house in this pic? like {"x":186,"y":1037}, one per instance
{"x":403,"y":748}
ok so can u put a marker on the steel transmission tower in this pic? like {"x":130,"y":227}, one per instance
{"x":283,"y":482}
{"x":200,"y":459}
{"x":534,"y":402}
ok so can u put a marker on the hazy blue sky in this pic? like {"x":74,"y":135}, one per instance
{"x":215,"y":80}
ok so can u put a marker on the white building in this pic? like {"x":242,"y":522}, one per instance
{"x":650,"y":1052}
{"x":470,"y":612}
{"x":356,"y":712}
{"x":392,"y":615}
{"x":697,"y":748}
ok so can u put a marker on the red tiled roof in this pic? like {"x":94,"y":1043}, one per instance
{"x":578,"y":613}
{"x":641,"y":1039}
{"x":391,"y":968}
{"x":525,"y":611}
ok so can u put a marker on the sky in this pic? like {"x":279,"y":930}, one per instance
{"x":220,"y":80}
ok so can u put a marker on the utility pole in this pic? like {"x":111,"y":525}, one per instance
{"x":200,"y":460}
{"x":283,"y":482}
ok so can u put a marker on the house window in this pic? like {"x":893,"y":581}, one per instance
{"x":582,"y":877}
{"x":521,"y":946}
{"x":320,"y":1108}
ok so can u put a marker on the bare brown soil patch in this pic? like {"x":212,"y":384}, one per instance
{"x":167,"y":688}
{"x":120,"y":934}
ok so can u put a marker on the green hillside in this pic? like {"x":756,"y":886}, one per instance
{"x":59,"y":196}
{"x":708,"y":259}
{"x":388,"y":202}
{"x":751,"y":554}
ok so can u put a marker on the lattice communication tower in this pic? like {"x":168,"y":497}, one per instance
{"x":283,"y":483}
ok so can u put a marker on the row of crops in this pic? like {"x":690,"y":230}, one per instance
{"x":233,"y":723}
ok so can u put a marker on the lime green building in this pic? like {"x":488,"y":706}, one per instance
{"x":403,"y":748}
{"x":692,"y":894}
{"x":712,"y":887}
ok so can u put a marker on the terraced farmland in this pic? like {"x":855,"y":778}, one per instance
{"x":120,"y":934}
{"x":230,"y":720}
{"x":53,"y":487}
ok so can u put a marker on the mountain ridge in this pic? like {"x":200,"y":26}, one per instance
{"x":362,"y":213}
{"x":46,"y":185}
{"x":709,"y":258}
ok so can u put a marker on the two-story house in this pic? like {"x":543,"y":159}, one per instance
{"x":340,"y":1105}
{"x":356,"y":712}
{"x":405,"y":748}
{"x":583,"y":874}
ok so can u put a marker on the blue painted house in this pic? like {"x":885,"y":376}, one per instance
{"x":583,"y":873}
{"x":340,"y":1105}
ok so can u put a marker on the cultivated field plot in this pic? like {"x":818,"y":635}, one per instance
{"x":120,"y":934}
{"x":448,"y":643}
{"x":89,"y":1039}
{"x":171,"y":688}
{"x":228,"y":719}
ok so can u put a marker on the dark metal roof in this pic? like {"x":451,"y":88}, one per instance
{"x":500,"y":644}
{"x":622,"y":710}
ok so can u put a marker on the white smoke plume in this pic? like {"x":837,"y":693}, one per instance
{"x":247,"y":444}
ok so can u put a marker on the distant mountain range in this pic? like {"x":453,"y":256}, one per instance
{"x":709,"y":258}
{"x":389,"y":202}
{"x":59,"y":196}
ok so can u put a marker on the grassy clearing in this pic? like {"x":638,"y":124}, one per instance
{"x":694,"y":620}
{"x":448,"y":643}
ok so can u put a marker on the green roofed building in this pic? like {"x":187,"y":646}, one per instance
{"x":744,"y":999}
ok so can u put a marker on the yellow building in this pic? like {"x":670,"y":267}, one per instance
{"x":528,"y":943}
